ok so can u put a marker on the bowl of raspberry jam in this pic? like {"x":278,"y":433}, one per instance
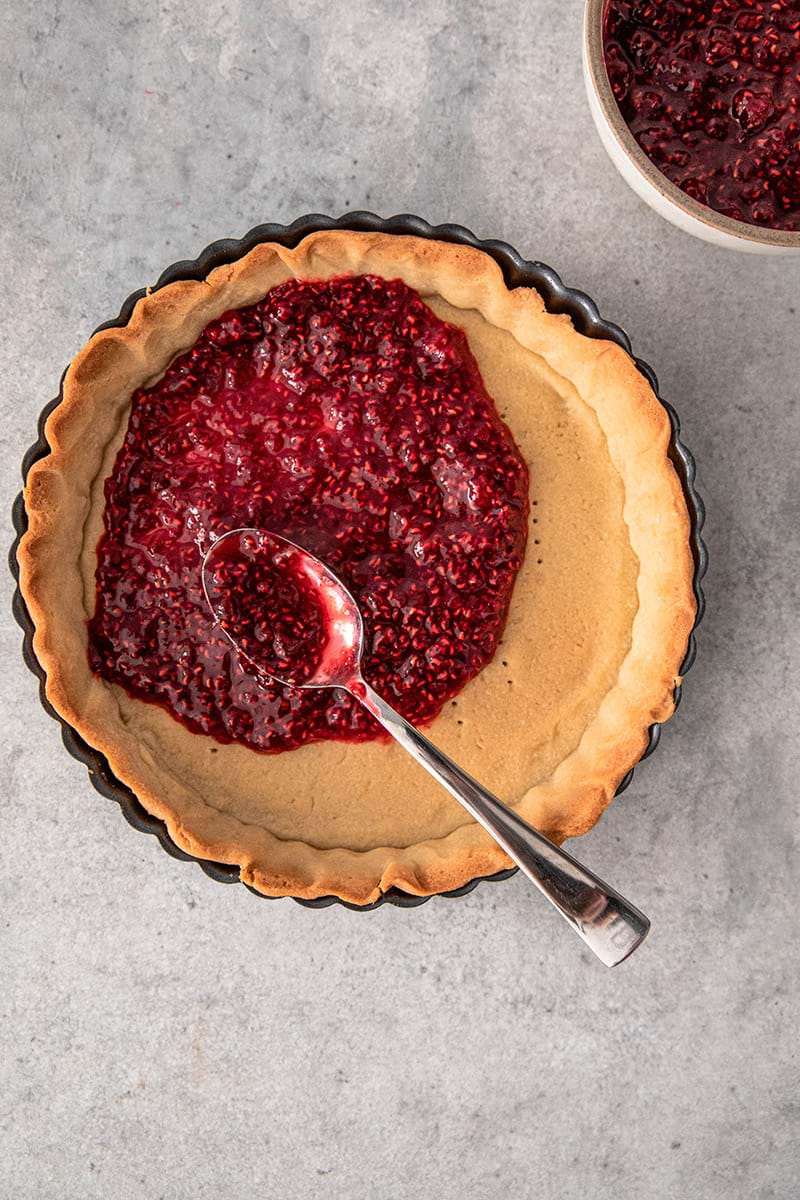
{"x":698,"y":105}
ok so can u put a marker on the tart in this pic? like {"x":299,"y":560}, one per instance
{"x":494,"y":487}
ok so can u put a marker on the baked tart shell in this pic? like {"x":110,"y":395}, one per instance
{"x":400,"y":837}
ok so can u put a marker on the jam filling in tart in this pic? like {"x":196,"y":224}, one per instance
{"x":710,"y":89}
{"x":344,"y":415}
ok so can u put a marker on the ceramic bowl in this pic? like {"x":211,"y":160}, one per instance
{"x":645,"y":178}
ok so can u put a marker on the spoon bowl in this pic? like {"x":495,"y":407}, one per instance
{"x":340,"y":658}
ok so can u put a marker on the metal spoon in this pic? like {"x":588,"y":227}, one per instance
{"x":609,"y":924}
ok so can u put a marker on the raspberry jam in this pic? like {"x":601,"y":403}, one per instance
{"x":710,"y":89}
{"x":268,"y":606}
{"x":345,"y":416}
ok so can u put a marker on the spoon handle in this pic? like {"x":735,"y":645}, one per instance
{"x":611,"y":927}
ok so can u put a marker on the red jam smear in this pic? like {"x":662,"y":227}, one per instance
{"x":267,"y":605}
{"x":710,"y":89}
{"x":347,"y":417}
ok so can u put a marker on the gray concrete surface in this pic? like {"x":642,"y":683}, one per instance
{"x":163,"y":1036}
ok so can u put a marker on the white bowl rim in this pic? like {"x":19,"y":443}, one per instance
{"x":595,"y":58}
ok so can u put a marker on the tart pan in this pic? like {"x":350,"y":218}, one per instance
{"x":517,"y":272}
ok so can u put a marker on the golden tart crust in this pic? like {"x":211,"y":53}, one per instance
{"x":598,"y":625}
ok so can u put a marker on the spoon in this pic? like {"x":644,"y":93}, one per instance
{"x":609,"y":924}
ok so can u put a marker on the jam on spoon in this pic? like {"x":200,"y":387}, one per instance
{"x":259,"y":589}
{"x":323,"y":649}
{"x":710,"y":89}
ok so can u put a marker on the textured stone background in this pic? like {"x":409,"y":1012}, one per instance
{"x":163,"y":1036}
